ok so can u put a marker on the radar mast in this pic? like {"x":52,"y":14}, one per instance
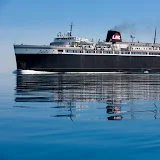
{"x":155,"y":34}
{"x":71,"y":27}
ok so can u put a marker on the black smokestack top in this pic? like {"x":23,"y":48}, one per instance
{"x":113,"y":36}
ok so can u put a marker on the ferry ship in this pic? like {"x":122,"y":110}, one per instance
{"x":68,"y":53}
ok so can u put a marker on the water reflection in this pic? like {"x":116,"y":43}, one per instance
{"x":117,"y":117}
{"x":113,"y":109}
{"x":120,"y":96}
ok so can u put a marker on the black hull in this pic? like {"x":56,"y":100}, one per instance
{"x":87,"y":63}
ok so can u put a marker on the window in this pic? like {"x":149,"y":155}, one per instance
{"x":60,"y":50}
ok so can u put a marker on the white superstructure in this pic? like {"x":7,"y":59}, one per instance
{"x":68,"y":44}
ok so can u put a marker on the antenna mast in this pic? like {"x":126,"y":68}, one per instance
{"x":155,"y":35}
{"x":71,"y":29}
{"x":132,"y":37}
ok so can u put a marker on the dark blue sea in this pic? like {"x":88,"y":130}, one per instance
{"x":79,"y":116}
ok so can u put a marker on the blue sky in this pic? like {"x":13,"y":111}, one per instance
{"x":39,"y":21}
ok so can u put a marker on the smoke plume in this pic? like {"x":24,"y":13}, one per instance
{"x":125,"y":28}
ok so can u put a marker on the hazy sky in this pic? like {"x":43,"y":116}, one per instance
{"x":39,"y":21}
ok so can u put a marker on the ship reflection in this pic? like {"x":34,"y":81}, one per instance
{"x":117,"y":110}
{"x":70,"y":95}
{"x":113,"y":109}
{"x":117,"y":117}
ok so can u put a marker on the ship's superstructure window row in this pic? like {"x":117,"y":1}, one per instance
{"x":63,"y":50}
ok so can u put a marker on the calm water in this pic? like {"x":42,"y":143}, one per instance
{"x":79,"y":116}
